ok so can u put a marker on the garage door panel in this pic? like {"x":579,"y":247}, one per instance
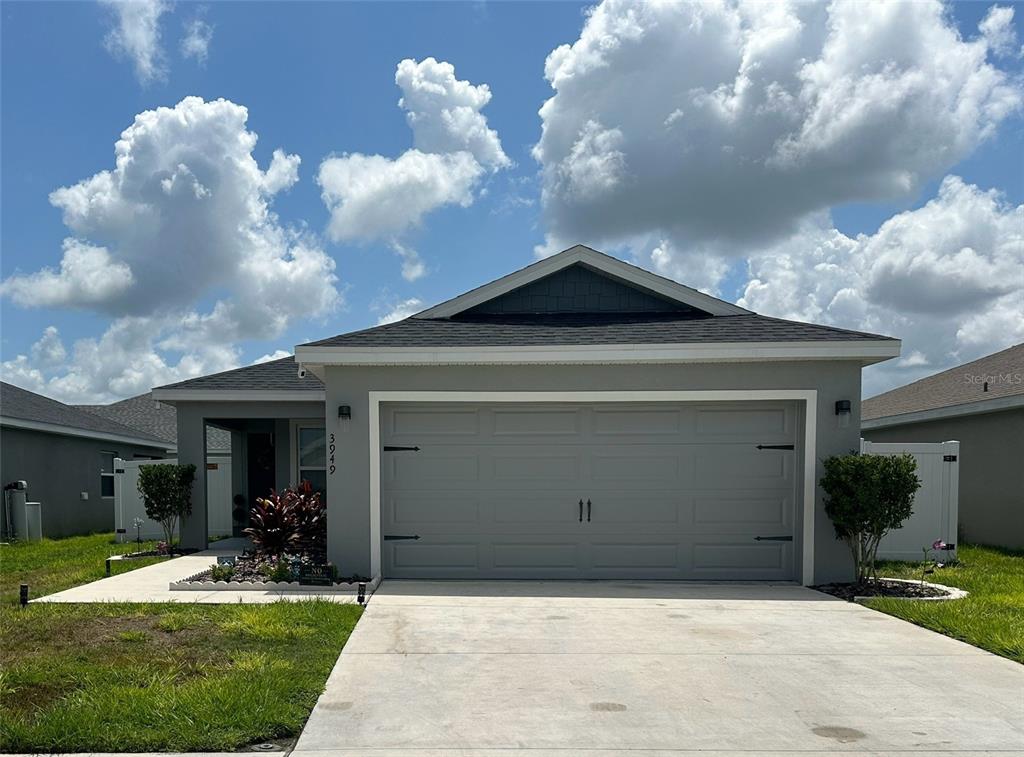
{"x":724,"y":556}
{"x":751,"y":512}
{"x":413,"y":508}
{"x":411,"y":470}
{"x":647,"y":422}
{"x":442,"y":421}
{"x":677,"y":491}
{"x":650,"y":470}
{"x":463,"y":555}
{"x":744,"y":423}
{"x":742,"y":467}
{"x":537,"y":421}
{"x":634,"y":557}
{"x":536,"y":468}
{"x":535,"y":555}
{"x":535,"y":509}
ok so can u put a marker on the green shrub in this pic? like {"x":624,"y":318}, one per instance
{"x":293,"y":521}
{"x":222,"y":572}
{"x":167,"y":494}
{"x":278,"y":570}
{"x":866,"y":497}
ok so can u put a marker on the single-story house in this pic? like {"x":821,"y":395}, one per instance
{"x":981,"y":405}
{"x":579,"y":418}
{"x":66,"y":456}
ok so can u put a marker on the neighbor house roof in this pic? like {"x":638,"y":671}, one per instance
{"x":21,"y":408}
{"x":990,"y":383}
{"x":158,"y":419}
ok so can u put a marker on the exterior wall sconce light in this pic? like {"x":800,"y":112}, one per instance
{"x":345,"y":412}
{"x":844,"y":410}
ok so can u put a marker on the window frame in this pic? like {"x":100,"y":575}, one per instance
{"x":104,"y":474}
{"x":296,"y":463}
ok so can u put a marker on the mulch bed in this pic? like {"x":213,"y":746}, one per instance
{"x":881,"y":588}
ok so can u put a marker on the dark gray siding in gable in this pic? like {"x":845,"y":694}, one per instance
{"x":577,"y":289}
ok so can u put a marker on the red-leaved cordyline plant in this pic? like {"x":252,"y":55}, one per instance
{"x":293,"y":521}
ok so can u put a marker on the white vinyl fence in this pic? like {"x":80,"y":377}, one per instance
{"x":935,"y":505}
{"x":128,"y":503}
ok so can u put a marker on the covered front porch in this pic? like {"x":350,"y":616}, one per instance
{"x":274,"y":445}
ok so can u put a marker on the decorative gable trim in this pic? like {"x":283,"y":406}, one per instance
{"x":593,"y":259}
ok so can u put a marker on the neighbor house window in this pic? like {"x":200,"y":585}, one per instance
{"x":312,"y":449}
{"x":107,"y":473}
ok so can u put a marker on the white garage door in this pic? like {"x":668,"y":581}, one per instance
{"x":701,"y":491}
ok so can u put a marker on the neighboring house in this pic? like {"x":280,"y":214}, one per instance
{"x":579,"y":418}
{"x":980,"y":405}
{"x":66,"y":456}
{"x":143,"y":413}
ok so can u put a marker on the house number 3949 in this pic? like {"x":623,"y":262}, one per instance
{"x":332,"y":448}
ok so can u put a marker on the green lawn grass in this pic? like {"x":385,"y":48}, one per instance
{"x":163,"y":677}
{"x":151,"y":677}
{"x":53,"y":565}
{"x":991,"y":617}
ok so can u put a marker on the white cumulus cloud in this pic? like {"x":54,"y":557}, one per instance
{"x":399,"y":310}
{"x":374,"y":197}
{"x":722,"y":127}
{"x":183,"y":215}
{"x":947,"y":278}
{"x":195,"y":43}
{"x":136,"y":36}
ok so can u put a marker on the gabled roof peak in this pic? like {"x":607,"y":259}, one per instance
{"x":651,"y":284}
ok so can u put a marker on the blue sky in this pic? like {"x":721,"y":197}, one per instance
{"x":318,"y":79}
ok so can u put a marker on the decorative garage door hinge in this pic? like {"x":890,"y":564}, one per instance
{"x":773,"y":538}
{"x":400,"y":449}
{"x":775,"y":446}
{"x":949,"y":458}
{"x":395,"y":537}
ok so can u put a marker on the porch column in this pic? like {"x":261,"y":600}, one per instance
{"x":192,"y":449}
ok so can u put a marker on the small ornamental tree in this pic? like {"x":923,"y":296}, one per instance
{"x":866,"y":497}
{"x":167,"y":494}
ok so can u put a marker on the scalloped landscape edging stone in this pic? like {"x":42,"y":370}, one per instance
{"x":192,"y":583}
{"x":951,"y":592}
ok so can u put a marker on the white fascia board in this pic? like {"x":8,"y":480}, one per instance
{"x":597,"y":260}
{"x":939,"y":413}
{"x":56,"y":428}
{"x":238,"y":395}
{"x":867,"y":352}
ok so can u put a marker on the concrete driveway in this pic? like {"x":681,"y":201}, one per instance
{"x":606,"y":668}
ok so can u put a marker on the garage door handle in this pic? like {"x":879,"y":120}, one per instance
{"x":588,"y":511}
{"x":775,"y":446}
{"x":396,"y":537}
{"x":581,"y":511}
{"x":773,"y":538}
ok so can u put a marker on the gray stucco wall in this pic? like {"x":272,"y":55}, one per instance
{"x":349,"y":486}
{"x":58,"y":469}
{"x":192,"y":448}
{"x":991,"y":470}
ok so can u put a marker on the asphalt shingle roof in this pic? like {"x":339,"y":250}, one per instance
{"x":22,"y":404}
{"x":273,"y":375}
{"x":1004,"y":372}
{"x":154,"y":418}
{"x":591,"y":328}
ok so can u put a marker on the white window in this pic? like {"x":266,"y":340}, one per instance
{"x":107,"y":474}
{"x":311,"y":460}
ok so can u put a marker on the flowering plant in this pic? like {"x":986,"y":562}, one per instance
{"x":928,"y":564}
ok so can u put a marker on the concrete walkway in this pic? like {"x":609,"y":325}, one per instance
{"x":502,"y":668}
{"x":150,"y":584}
